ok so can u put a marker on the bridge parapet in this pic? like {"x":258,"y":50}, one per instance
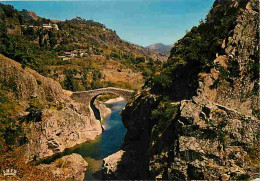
{"x":87,"y":96}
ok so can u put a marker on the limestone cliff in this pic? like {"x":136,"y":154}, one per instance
{"x":56,"y":122}
{"x":199,"y":119}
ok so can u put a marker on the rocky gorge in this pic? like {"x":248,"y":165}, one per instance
{"x":196,"y":119}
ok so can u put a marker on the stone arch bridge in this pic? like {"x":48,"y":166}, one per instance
{"x":89,"y":97}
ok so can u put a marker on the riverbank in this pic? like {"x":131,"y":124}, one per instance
{"x":115,"y":100}
{"x":93,"y":152}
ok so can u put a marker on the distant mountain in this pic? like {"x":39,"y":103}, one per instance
{"x":161,"y":51}
{"x":159,"y":47}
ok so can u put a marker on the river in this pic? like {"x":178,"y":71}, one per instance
{"x":106,"y":144}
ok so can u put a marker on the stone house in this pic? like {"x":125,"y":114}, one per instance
{"x":74,"y":53}
{"x":55,"y":26}
{"x":81,"y":53}
{"x":47,"y":26}
{"x":50,"y":26}
{"x":63,"y":57}
{"x":67,"y":54}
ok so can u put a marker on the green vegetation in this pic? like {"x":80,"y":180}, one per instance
{"x":11,"y":123}
{"x":10,"y":128}
{"x":69,"y":82}
{"x":91,"y":79}
{"x":23,"y":39}
{"x":19,"y":45}
{"x":163,"y":115}
{"x":243,"y":177}
{"x":195,"y":53}
{"x":106,"y":97}
{"x":35,"y":110}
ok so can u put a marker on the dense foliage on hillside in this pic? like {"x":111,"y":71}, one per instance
{"x":16,"y":42}
{"x":8,"y":110}
{"x":24,"y":39}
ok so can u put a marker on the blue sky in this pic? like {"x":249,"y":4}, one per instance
{"x":142,"y":22}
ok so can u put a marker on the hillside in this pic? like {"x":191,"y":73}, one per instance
{"x":74,"y":51}
{"x":38,"y":119}
{"x":199,"y":118}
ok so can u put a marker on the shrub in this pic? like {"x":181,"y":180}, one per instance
{"x":35,"y":110}
{"x":39,"y":82}
{"x":10,"y":128}
{"x":164,"y":114}
{"x":70,"y":83}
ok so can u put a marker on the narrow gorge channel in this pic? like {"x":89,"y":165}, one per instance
{"x":106,"y":144}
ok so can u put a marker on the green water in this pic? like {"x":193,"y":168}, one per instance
{"x":107,"y":143}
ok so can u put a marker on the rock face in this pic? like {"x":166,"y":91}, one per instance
{"x":61,"y":122}
{"x":58,"y":130}
{"x":104,"y":111}
{"x":71,"y":167}
{"x":134,"y":161}
{"x":214,"y":142}
{"x":110,"y":165}
{"x":210,"y":133}
{"x":241,"y":49}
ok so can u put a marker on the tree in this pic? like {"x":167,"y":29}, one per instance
{"x":70,"y":83}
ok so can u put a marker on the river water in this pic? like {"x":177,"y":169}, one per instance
{"x":106,"y":144}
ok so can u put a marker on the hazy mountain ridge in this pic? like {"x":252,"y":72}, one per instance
{"x":160,"y":50}
{"x":159,"y":47}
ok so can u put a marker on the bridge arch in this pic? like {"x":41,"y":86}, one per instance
{"x":88,"y":97}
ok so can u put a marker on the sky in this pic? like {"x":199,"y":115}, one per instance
{"x":142,"y":22}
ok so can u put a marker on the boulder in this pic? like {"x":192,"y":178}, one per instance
{"x":110,"y":165}
{"x":70,"y":167}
